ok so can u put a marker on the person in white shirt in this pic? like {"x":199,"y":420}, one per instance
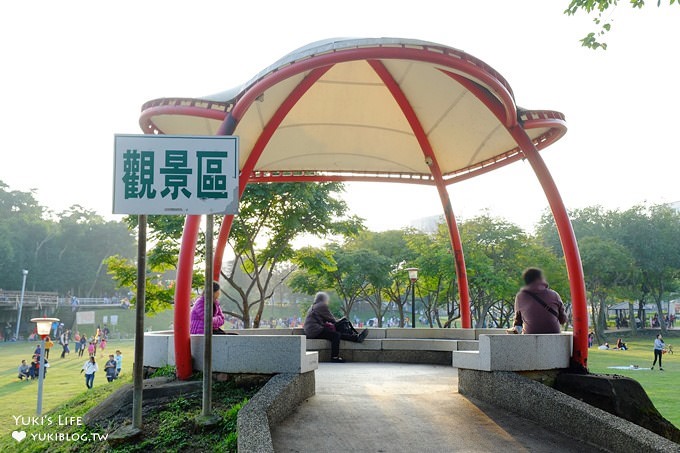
{"x":659,"y":346}
{"x":90,"y":368}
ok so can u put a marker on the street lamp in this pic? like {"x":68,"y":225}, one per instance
{"x":21,"y":303}
{"x":413,"y":276}
{"x":44,"y":326}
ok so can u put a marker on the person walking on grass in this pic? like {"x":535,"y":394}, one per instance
{"x":90,"y":368}
{"x":119,"y":362}
{"x":659,"y":346}
{"x":110,"y":368}
{"x":64,"y":339}
{"x":83,"y":345}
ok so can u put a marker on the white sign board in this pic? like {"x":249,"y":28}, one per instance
{"x":85,"y":317}
{"x":170,"y":174}
{"x":114,"y":320}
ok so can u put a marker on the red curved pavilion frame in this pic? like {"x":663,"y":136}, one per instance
{"x":478,"y":78}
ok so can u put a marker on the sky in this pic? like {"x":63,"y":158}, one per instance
{"x":74,"y":73}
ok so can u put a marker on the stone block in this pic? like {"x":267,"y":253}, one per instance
{"x":375,"y":333}
{"x":419,"y":344}
{"x":311,"y":362}
{"x":479,"y":332}
{"x":468,"y":360}
{"x":156,"y":348}
{"x":421,"y":357}
{"x":265,"y":331}
{"x":517,"y":353}
{"x":558,"y":411}
{"x":435,"y":334}
{"x":467,"y":345}
{"x":253,"y":353}
{"x":317,"y":344}
{"x":272,"y":404}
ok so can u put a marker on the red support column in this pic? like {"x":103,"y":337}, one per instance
{"x":185,"y":269}
{"x":459,"y":258}
{"x":569,"y":245}
{"x":431,"y":160}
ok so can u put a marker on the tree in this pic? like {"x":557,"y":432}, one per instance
{"x":436,"y":275}
{"x":608,"y":268}
{"x":386,"y":275}
{"x":598,"y":8}
{"x":496,"y":252}
{"x":337,"y":268}
{"x":651,"y":235}
{"x":271,"y":217}
{"x":63,"y":252}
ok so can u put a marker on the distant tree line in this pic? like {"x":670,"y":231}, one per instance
{"x":63,"y":252}
{"x":630,"y":255}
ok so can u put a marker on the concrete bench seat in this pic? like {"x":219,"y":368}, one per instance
{"x":517,"y":353}
{"x":257,"y":354}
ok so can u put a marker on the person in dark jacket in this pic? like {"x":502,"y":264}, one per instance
{"x":320,"y":323}
{"x":538,"y":309}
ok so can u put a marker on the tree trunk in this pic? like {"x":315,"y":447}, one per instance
{"x":631,"y":319}
{"x":599,"y":335}
{"x":246,"y":315}
{"x":662,"y":320}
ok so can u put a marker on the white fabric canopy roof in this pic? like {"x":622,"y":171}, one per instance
{"x":350,"y":122}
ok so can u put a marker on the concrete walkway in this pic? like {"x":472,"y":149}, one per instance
{"x":385,"y":407}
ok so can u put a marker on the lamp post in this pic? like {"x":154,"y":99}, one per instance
{"x":21,"y":303}
{"x":413,"y":276}
{"x":44,"y":326}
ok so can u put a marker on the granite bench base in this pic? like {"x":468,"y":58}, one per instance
{"x":517,"y":353}
{"x":555,"y":410}
{"x":271,"y":405}
{"x":262,"y":354}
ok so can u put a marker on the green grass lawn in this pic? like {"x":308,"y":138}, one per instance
{"x":663,"y":387}
{"x":63,"y":380}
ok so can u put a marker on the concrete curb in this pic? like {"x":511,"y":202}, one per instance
{"x":273,"y":403}
{"x":560,"y":412}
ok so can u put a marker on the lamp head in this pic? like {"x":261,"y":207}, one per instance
{"x":24,"y":272}
{"x":412,"y":274}
{"x":44,"y":325}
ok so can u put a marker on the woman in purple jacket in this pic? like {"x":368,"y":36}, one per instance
{"x":197,"y":311}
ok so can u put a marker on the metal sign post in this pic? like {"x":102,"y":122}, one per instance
{"x":138,"y":365}
{"x":206,"y":410}
{"x":171,"y":175}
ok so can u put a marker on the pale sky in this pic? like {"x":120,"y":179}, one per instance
{"x":74,"y":73}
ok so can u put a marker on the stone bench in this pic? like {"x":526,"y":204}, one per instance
{"x":400,"y":345}
{"x":256,"y":354}
{"x":517,"y":353}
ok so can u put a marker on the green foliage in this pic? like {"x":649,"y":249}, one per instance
{"x":632,"y":254}
{"x":598,"y":9}
{"x":271,"y":217}
{"x":166,"y":371}
{"x":159,"y":294}
{"x":63,"y":252}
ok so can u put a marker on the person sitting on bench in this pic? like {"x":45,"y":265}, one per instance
{"x":320,"y":323}
{"x":538,"y":309}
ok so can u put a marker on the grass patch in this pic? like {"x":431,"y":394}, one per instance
{"x":661,"y":386}
{"x":173,"y":428}
{"x":62,"y":382}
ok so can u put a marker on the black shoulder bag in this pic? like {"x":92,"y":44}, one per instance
{"x":540,"y":301}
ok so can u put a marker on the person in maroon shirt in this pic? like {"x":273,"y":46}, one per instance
{"x":538,"y":309}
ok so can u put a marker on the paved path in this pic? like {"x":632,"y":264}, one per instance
{"x":383,"y":407}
